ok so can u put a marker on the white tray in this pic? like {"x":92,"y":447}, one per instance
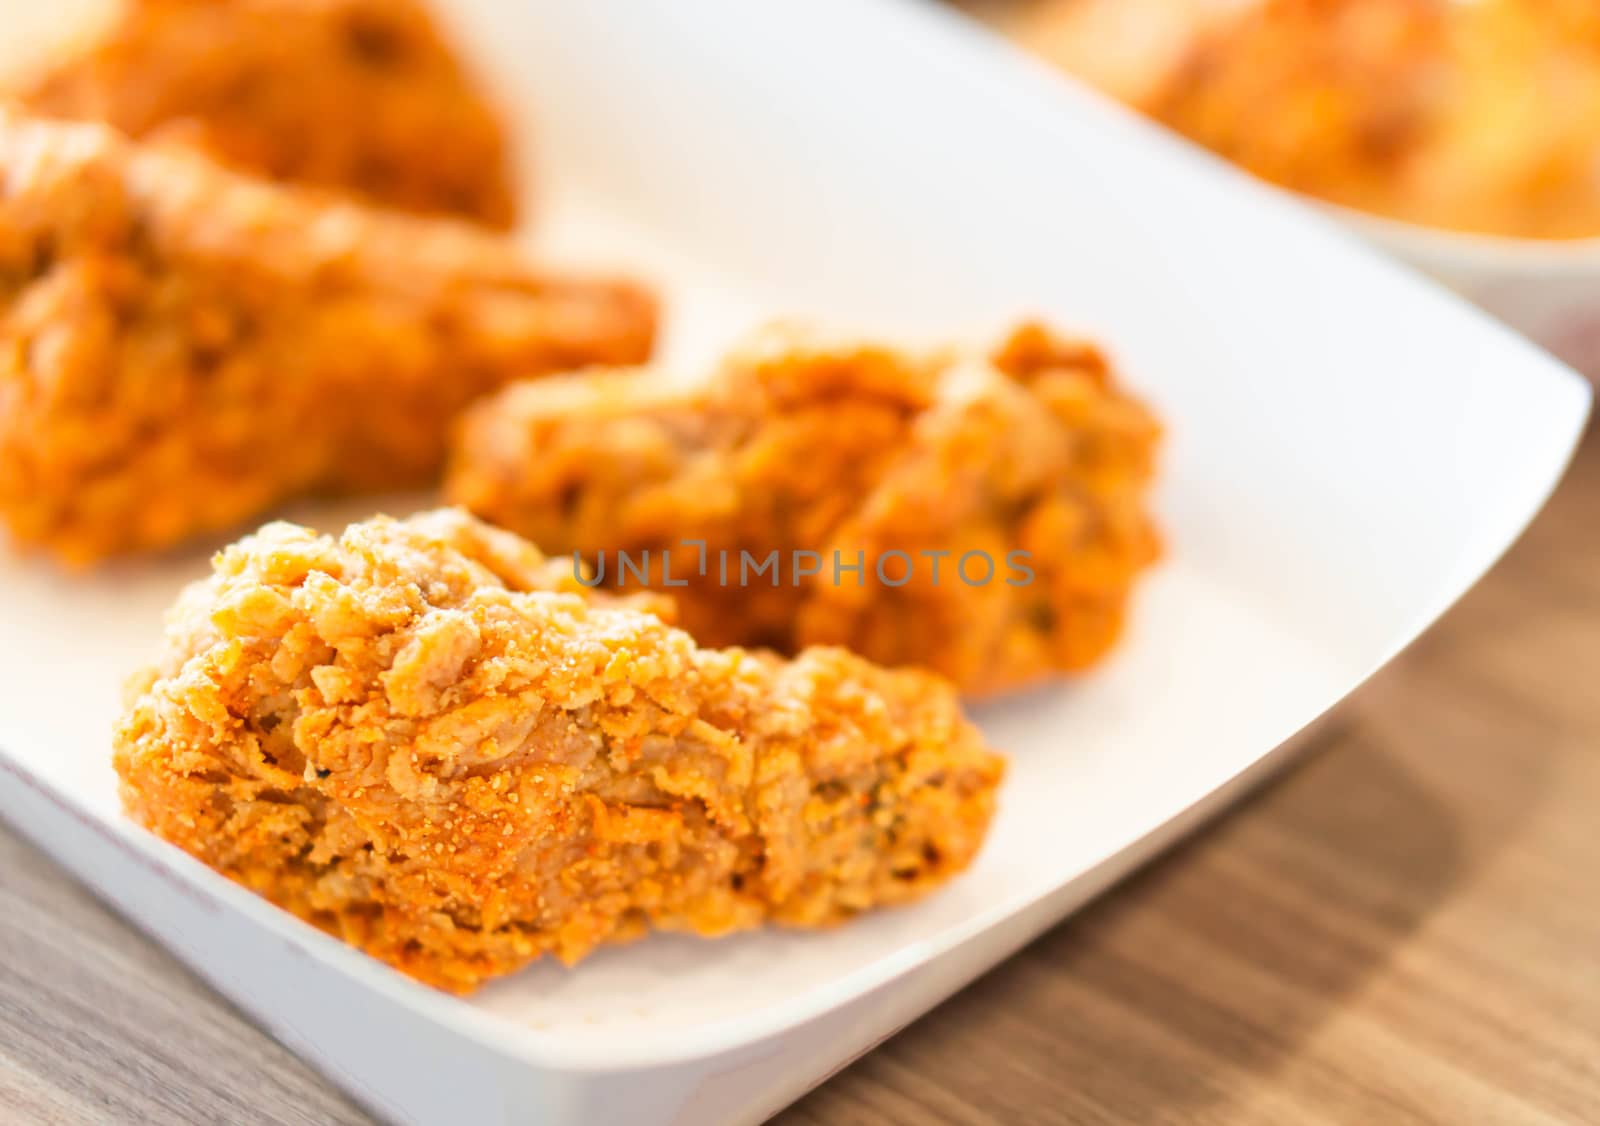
{"x":1350,"y":449}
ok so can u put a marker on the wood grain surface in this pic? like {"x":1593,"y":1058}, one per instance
{"x":1405,"y":928}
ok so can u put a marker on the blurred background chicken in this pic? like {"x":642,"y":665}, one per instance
{"x":1481,"y":115}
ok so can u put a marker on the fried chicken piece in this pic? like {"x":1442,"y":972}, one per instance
{"x":1032,"y":461}
{"x":1480,"y":116}
{"x":182,"y":347}
{"x":429,"y":740}
{"x":358,"y":95}
{"x":1329,"y":97}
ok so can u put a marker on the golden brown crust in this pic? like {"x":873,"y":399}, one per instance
{"x":853,"y":453}
{"x":359,"y":95}
{"x":182,"y":347}
{"x":1480,"y":116}
{"x":427,"y":739}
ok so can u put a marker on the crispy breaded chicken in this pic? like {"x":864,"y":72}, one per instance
{"x":1330,"y":97}
{"x":359,"y":95}
{"x":1481,"y":116}
{"x":884,"y":471}
{"x":181,"y":347}
{"x":427,"y":739}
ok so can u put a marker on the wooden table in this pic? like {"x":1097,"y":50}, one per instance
{"x":1404,"y":928}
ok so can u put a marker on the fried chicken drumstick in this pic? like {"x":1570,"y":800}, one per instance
{"x":182,"y":347}
{"x":359,"y":95}
{"x":428,"y":739}
{"x":883,"y":471}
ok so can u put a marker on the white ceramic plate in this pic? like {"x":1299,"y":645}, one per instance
{"x":1350,"y":449}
